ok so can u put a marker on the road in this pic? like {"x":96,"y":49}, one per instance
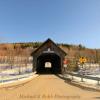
{"x":47,"y":87}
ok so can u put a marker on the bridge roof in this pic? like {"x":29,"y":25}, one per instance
{"x":46,"y":44}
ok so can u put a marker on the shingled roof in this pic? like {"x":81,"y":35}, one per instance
{"x":48,"y":40}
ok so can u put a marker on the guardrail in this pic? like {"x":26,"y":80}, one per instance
{"x":85,"y":77}
{"x":15,"y":78}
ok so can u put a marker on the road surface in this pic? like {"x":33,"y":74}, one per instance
{"x":47,"y":87}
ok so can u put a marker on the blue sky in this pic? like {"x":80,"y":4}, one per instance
{"x":64,"y":21}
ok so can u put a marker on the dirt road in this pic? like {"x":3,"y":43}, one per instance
{"x":47,"y":87}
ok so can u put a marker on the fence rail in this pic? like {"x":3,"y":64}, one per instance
{"x":85,"y":77}
{"x":15,"y":78}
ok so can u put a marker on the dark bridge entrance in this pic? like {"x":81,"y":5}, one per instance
{"x":48,"y":58}
{"x":53,"y":62}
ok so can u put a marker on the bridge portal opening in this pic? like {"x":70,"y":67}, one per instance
{"x":48,"y":63}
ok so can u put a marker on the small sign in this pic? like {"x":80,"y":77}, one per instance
{"x":65,"y":61}
{"x":65,"y":65}
{"x":48,"y":51}
{"x":82,"y":60}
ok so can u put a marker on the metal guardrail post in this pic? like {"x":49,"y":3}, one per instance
{"x":82,"y":78}
{"x":98,"y":82}
{"x":82,"y":73}
{"x":72,"y":77}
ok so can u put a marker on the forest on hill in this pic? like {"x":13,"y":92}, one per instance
{"x":73,"y":51}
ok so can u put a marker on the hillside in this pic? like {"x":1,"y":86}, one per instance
{"x":73,"y":51}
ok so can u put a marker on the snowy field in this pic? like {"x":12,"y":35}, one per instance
{"x":15,"y":73}
{"x":89,"y":69}
{"x":95,"y":75}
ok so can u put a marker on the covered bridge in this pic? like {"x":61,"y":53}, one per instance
{"x":48,"y":58}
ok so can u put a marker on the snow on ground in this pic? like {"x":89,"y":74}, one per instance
{"x":17,"y":78}
{"x":85,"y":80}
{"x":95,"y":75}
{"x":16,"y":73}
